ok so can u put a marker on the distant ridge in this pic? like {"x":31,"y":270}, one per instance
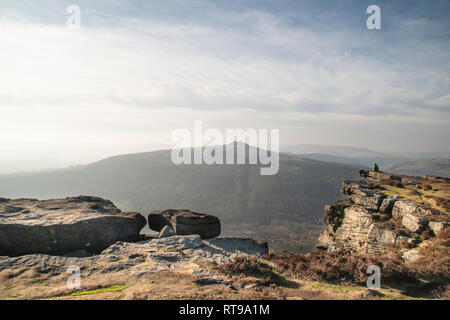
{"x":150,"y":181}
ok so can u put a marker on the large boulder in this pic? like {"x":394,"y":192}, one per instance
{"x":379,"y":240}
{"x":367,"y":198}
{"x":437,"y":226}
{"x":402,"y":207}
{"x":387,"y":204}
{"x":185,"y":222}
{"x":61,"y":226}
{"x":414,"y":222}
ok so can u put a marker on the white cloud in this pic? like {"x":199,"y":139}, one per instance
{"x":441,"y":102}
{"x":119,"y":88}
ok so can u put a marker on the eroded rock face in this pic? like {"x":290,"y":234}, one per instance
{"x":367,"y":199}
{"x":334,"y":213}
{"x":378,"y":239}
{"x":370,"y":221}
{"x":354,"y":228}
{"x":388,"y":204}
{"x":56,"y":227}
{"x":185,"y":222}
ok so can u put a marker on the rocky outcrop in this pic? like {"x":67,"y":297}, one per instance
{"x":61,"y":226}
{"x":185,"y":222}
{"x":373,"y":220}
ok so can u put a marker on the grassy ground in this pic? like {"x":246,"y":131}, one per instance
{"x":430,"y":196}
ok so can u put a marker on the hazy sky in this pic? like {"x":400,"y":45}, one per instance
{"x":137,"y":70}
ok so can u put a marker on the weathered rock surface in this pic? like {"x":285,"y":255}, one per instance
{"x":367,"y":198}
{"x":175,"y":267}
{"x":378,"y":239}
{"x":217,"y":250}
{"x":146,"y":256}
{"x":29,"y":226}
{"x":401,"y":208}
{"x":388,"y":204}
{"x":414,"y":222}
{"x":185,"y":222}
{"x":354,"y":227}
{"x":437,"y":226}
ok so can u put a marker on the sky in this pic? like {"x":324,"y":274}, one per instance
{"x":138,"y":70}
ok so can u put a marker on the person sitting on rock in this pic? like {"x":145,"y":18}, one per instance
{"x":375,"y":168}
{"x":363,"y":174}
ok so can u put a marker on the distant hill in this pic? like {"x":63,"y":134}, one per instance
{"x":340,"y":151}
{"x":330,"y":158}
{"x":343,"y":154}
{"x":238,"y":194}
{"x":435,"y":167}
{"x":410,"y":163}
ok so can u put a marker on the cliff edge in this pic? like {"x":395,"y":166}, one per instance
{"x":385,"y":212}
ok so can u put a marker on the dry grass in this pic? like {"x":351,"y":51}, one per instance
{"x":426,"y":186}
{"x":434,"y":258}
{"x":436,"y":196}
{"x":247,"y":267}
{"x":442,"y":291}
{"x":393,"y":183}
{"x":340,"y":266}
{"x":442,"y":203}
{"x":278,"y":277}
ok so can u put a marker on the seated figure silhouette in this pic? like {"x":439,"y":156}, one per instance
{"x":363,"y":174}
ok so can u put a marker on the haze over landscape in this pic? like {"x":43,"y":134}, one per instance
{"x":286,"y":208}
{"x":136,"y":71}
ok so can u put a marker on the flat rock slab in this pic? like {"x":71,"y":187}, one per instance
{"x":150,"y":256}
{"x":192,"y":247}
{"x":59,"y":226}
{"x":185,"y":222}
